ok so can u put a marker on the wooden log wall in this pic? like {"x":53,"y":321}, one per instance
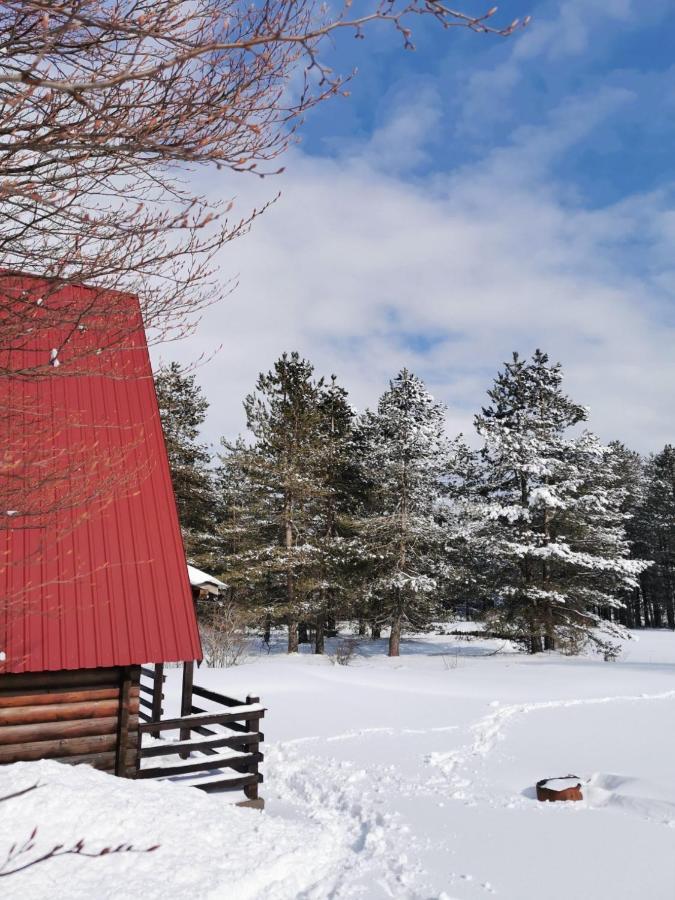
{"x":83,"y":716}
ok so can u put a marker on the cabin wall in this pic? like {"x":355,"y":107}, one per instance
{"x":81,"y":716}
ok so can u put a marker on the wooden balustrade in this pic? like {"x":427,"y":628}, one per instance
{"x":217,"y":749}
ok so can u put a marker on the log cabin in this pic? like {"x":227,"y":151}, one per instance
{"x":93,"y":580}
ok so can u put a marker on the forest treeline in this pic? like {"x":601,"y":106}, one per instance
{"x":320,"y":513}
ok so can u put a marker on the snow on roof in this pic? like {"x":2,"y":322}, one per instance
{"x":199,"y":578}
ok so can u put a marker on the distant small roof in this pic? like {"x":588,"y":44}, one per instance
{"x":201,"y":579}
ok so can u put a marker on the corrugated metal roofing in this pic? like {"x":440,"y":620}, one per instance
{"x":92,"y":564}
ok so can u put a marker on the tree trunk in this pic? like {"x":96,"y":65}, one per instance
{"x":534,"y":641}
{"x":549,"y":635}
{"x":290,"y":583}
{"x":670,"y":608}
{"x":362,"y":627}
{"x":656,"y":612}
{"x":319,"y":643}
{"x":646,"y":611}
{"x":395,"y":637}
{"x":267,"y":632}
{"x":303,"y":636}
{"x":375,"y":632}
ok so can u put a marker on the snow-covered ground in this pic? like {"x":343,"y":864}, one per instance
{"x":408,"y":778}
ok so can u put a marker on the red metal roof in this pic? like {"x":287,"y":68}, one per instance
{"x":92,"y":564}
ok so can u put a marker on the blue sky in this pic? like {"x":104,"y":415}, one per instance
{"x":477,"y":196}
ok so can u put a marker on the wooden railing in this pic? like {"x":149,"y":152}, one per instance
{"x":152,"y":683}
{"x":217,"y":749}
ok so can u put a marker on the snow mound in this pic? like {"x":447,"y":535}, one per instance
{"x":635,"y":796}
{"x":208,"y":849}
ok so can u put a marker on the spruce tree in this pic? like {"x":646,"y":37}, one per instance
{"x":404,"y":461}
{"x":283,"y":501}
{"x":182,"y":408}
{"x":334,"y":534}
{"x":289,"y":516}
{"x":553,"y":508}
{"x":629,"y":468}
{"x":655,"y":531}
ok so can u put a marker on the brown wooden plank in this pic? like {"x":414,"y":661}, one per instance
{"x":58,"y":680}
{"x":147,"y":689}
{"x":169,"y":747}
{"x":21,"y":698}
{"x":234,"y":726}
{"x":146,"y":703}
{"x":186,"y":697}
{"x":251,"y":790}
{"x":157,"y":695}
{"x":215,"y":696}
{"x":123,"y":725}
{"x":226,"y":784}
{"x":44,"y":731}
{"x":105,"y":761}
{"x":231,"y":726}
{"x":200,"y":765}
{"x":57,"y":748}
{"x":188,"y":723}
{"x":24,"y":715}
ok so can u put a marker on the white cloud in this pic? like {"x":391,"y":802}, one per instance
{"x":558,"y":31}
{"x":364,"y":272}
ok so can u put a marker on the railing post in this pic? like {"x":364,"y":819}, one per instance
{"x":186,"y":700}
{"x":157,"y":695}
{"x":253,"y":725}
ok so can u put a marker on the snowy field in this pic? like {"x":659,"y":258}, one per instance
{"x":405,"y":778}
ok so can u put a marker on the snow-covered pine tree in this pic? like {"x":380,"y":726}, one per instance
{"x":242,"y":524}
{"x":552,"y":507}
{"x":404,"y":461}
{"x":654,"y":529}
{"x":335,"y":537}
{"x":182,"y":408}
{"x":468,"y":575}
{"x":286,"y":543}
{"x":629,"y":469}
{"x":285,"y":559}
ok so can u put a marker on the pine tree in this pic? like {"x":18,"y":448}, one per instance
{"x":284,"y":498}
{"x":335,"y":537}
{"x":182,"y":408}
{"x":629,"y":469}
{"x":404,"y":462}
{"x":655,"y":531}
{"x":553,"y":512}
{"x":281,"y":556}
{"x":468,"y":572}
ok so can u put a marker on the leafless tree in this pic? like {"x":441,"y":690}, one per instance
{"x":108,"y":108}
{"x":106,"y":104}
{"x":225,"y":630}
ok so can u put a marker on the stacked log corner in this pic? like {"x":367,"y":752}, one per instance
{"x":80,"y":716}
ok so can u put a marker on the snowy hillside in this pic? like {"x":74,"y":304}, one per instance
{"x":406,"y":778}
